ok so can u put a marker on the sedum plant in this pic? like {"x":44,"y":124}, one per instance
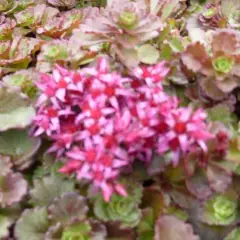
{"x":120,"y":209}
{"x":218,"y":64}
{"x":221,"y":209}
{"x":124,"y":25}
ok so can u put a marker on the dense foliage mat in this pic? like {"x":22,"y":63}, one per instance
{"x":119,"y":120}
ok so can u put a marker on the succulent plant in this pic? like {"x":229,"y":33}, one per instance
{"x":48,"y":188}
{"x":17,"y":54}
{"x":7,"y":26}
{"x":124,"y":25}
{"x":164,"y":229}
{"x":24,"y":80}
{"x":212,"y":17}
{"x":68,"y":208}
{"x":62,"y":25}
{"x":32,"y":224}
{"x":219,"y":67}
{"x":6,"y":5}
{"x":221,"y":209}
{"x":69,"y":223}
{"x":35,"y":16}
{"x":119,"y":119}
{"x":20,"y":147}
{"x":13,"y":188}
{"x":230,"y":10}
{"x":121,"y":209}
{"x":85,"y":230}
{"x":15,"y":110}
{"x":63,"y":52}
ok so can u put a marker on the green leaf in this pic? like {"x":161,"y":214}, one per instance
{"x":5,"y":223}
{"x":48,"y":188}
{"x":15,"y":111}
{"x":176,"y":45}
{"x":32,"y":224}
{"x":166,"y":52}
{"x":148,"y":54}
{"x":19,"y":146}
{"x":234,"y":235}
{"x":221,"y":209}
{"x":120,"y":209}
{"x":146,"y":226}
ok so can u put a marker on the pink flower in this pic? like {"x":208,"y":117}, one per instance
{"x":105,"y":87}
{"x":96,"y":165}
{"x":182,"y":130}
{"x":151,"y":74}
{"x":48,"y":121}
{"x":102,"y":122}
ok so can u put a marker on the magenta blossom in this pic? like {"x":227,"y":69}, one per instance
{"x":102,"y":122}
{"x":184,"y":129}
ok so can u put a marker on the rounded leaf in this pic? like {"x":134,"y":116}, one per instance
{"x":32,"y":224}
{"x":170,"y":227}
{"x":48,"y":188}
{"x":148,"y":54}
{"x":13,"y":188}
{"x":68,"y":208}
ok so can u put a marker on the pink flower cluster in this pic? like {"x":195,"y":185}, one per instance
{"x":102,"y":121}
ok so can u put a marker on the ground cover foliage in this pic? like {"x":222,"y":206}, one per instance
{"x":119,"y":120}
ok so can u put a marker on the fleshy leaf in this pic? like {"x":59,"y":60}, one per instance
{"x":5,"y":223}
{"x":13,"y":188}
{"x":234,"y":235}
{"x":148,"y":54}
{"x":24,"y":80}
{"x":146,"y":226}
{"x":208,"y":232}
{"x":64,"y":53}
{"x":35,"y":15}
{"x":32,"y":224}
{"x":121,"y":209}
{"x":198,"y":185}
{"x":220,"y":112}
{"x":84,"y":230}
{"x":21,"y":148}
{"x":69,"y":208}
{"x":15,"y":111}
{"x":221,"y":209}
{"x":183,"y":198}
{"x":170,"y":227}
{"x":196,"y":59}
{"x":19,"y":53}
{"x":61,"y":25}
{"x":219,"y":179}
{"x":7,"y":26}
{"x":176,"y":45}
{"x":87,"y":230}
{"x":48,"y":188}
